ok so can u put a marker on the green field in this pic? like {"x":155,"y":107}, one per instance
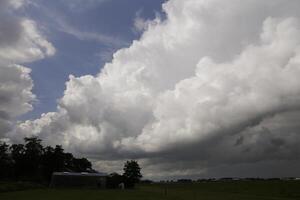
{"x":239,"y":190}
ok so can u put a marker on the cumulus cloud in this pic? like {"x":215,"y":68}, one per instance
{"x":213,"y":87}
{"x":15,"y":94}
{"x":140,"y":24}
{"x":20,"y":42}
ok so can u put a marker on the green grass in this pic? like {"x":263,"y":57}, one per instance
{"x":239,"y":190}
{"x":17,"y":186}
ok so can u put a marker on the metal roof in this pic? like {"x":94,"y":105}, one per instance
{"x":78,"y":174}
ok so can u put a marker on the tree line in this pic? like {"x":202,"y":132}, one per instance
{"x":32,"y":161}
{"x":131,"y":176}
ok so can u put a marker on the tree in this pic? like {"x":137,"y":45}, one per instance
{"x":33,"y":155}
{"x":3,"y":151}
{"x":69,"y":162}
{"x":82,"y":165}
{"x":48,"y":163}
{"x":59,"y":159}
{"x":33,"y":162}
{"x":132,"y":173}
{"x":17,"y":154}
{"x":33,"y":146}
{"x":5,"y":161}
{"x":113,"y":180}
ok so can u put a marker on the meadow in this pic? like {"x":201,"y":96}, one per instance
{"x":227,"y":190}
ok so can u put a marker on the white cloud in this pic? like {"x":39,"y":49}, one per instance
{"x":12,"y":4}
{"x":92,"y":36}
{"x":15,"y":94}
{"x":61,"y":23}
{"x":140,"y":24}
{"x":29,"y":46}
{"x":261,"y":80}
{"x":20,"y":42}
{"x":197,"y":89}
{"x":16,"y":86}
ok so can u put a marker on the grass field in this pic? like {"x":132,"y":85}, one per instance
{"x":237,"y":190}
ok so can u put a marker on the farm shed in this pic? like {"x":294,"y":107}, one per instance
{"x":83,"y":179}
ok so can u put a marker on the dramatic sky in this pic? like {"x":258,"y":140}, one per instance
{"x":190,"y":88}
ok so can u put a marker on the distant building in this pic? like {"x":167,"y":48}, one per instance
{"x":83,"y":179}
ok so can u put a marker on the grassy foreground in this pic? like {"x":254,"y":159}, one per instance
{"x":239,"y":190}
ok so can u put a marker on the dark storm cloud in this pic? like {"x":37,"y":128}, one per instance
{"x":5,"y":123}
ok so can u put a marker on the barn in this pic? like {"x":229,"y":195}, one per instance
{"x":83,"y":179}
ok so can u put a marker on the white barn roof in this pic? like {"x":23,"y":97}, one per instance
{"x":79,"y":174}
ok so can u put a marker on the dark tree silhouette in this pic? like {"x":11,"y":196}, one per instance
{"x":33,"y":155}
{"x":132,"y":173}
{"x":81,"y":164}
{"x":6,"y":162}
{"x":114,"y":179}
{"x":69,"y":161}
{"x":18,"y":155}
{"x":59,"y":159}
{"x":48,"y":164}
{"x":32,"y":162}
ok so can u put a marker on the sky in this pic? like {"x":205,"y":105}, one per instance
{"x":189,"y":88}
{"x":85,"y":34}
